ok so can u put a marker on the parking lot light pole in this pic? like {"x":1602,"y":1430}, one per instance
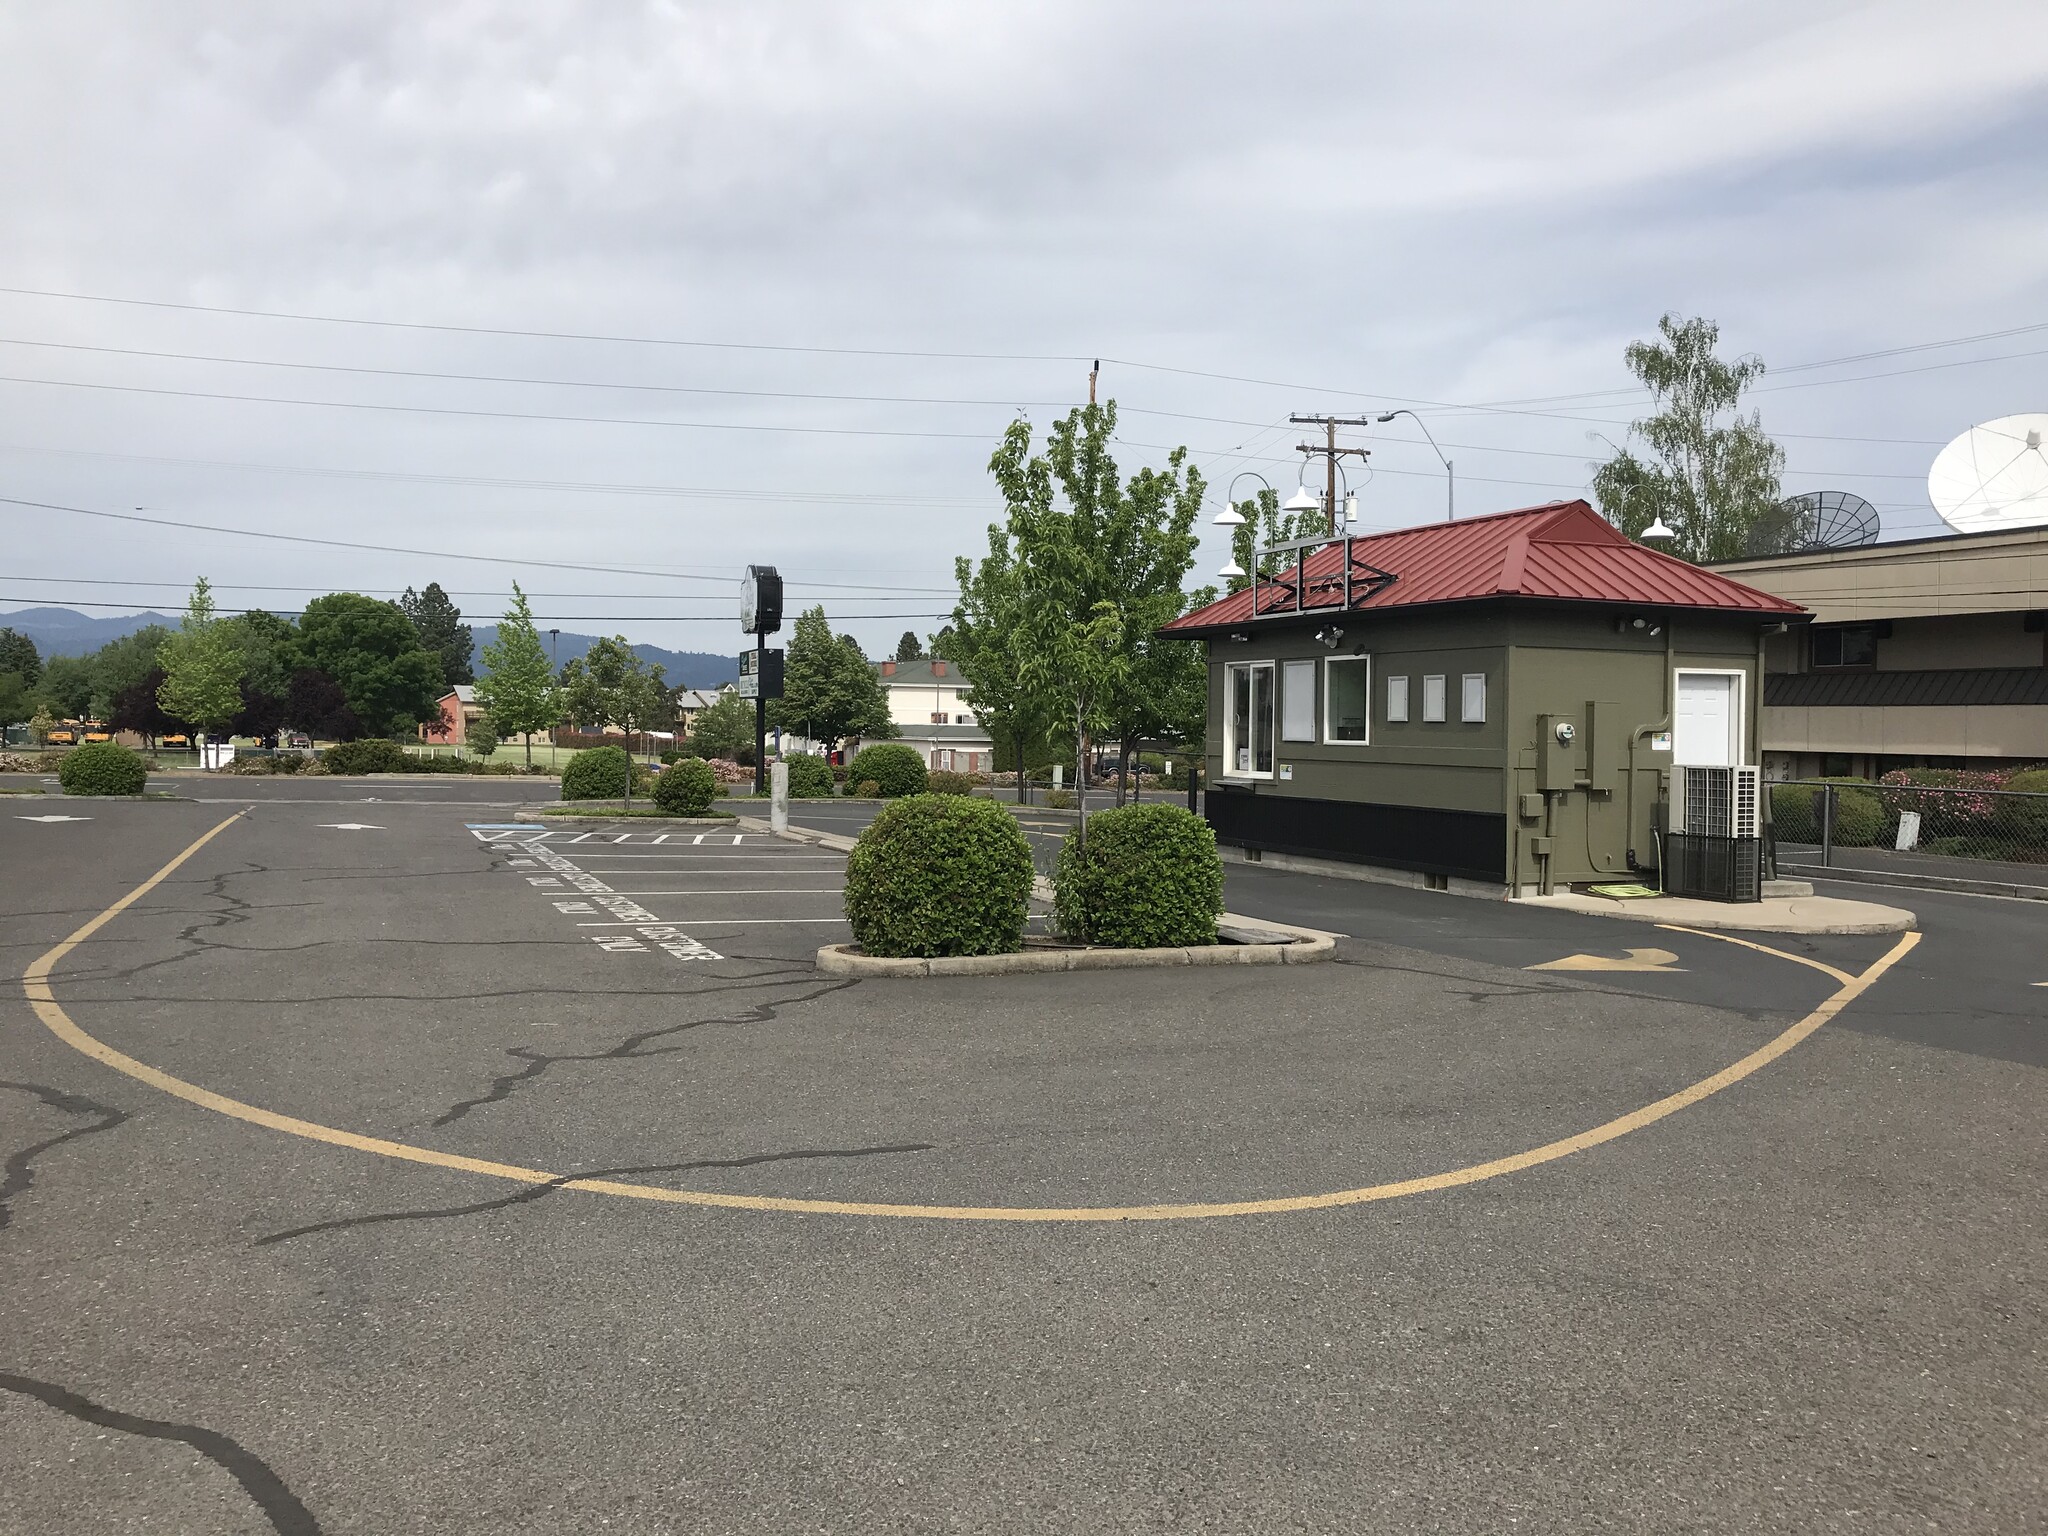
{"x":1450,"y":470}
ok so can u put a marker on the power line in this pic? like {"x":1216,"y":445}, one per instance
{"x":491,"y":330}
{"x":820,"y":498}
{"x":433,"y":554}
{"x":607,"y":597}
{"x":450,"y":410}
{"x":542,"y":618}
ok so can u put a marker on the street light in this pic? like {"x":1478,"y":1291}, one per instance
{"x":1450,"y":470}
{"x":1658,"y":530}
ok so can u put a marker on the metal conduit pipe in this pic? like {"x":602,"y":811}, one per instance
{"x":1636,"y":736}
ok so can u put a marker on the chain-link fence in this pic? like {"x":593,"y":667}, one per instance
{"x":1970,"y":834}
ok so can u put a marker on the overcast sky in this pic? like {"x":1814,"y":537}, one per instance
{"x":1359,"y":205}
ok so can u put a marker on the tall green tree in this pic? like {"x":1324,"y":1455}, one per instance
{"x":202,"y":666}
{"x":67,"y":686}
{"x":1099,"y":565}
{"x":18,"y":655}
{"x":517,"y":689}
{"x":829,"y":691}
{"x":16,"y":702}
{"x":612,"y":684}
{"x":441,"y":630}
{"x":980,"y":642}
{"x":909,"y":647}
{"x":370,"y":648}
{"x":120,"y":666}
{"x":1713,"y":474}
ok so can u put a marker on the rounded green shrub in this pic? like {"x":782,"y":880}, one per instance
{"x":685,"y":788}
{"x":810,"y":776}
{"x":939,"y":875}
{"x":893,"y":768}
{"x":375,"y":755}
{"x":102,"y":768}
{"x":943,"y":782}
{"x":598,"y":773}
{"x":867,"y":789}
{"x":2029,"y":818}
{"x":1145,"y":877}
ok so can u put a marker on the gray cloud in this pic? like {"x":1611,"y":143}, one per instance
{"x":1450,"y":203}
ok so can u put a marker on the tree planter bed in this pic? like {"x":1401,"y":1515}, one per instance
{"x":1240,"y":942}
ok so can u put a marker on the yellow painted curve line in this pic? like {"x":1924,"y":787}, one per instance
{"x":36,"y":984}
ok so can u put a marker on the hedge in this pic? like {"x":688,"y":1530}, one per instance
{"x":102,"y":768}
{"x":1143,"y":877}
{"x":686,"y":788}
{"x":375,"y":755}
{"x":596,"y":774}
{"x":1860,"y":817}
{"x":939,"y":875}
{"x":810,"y":776}
{"x":892,"y":767}
{"x":944,"y":782}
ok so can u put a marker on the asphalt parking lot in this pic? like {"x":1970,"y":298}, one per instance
{"x":392,"y":1166}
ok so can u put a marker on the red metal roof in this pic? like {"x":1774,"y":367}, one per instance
{"x":1564,"y":550}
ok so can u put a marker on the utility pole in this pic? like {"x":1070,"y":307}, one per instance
{"x":1331,"y":452}
{"x":1091,"y":380}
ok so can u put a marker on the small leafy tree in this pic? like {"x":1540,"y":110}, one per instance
{"x":1710,"y":482}
{"x":723,"y":729}
{"x":202,"y":666}
{"x":40,"y":724}
{"x":518,"y":687}
{"x":482,"y":737}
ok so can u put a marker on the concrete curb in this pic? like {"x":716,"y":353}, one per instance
{"x":1790,"y":914}
{"x":1954,"y":885}
{"x":1246,"y":944}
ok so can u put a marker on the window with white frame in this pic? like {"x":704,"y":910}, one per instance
{"x":1248,"y":720}
{"x":1472,"y":707}
{"x":1433,"y":698}
{"x":1347,"y":700}
{"x":1298,"y":701}
{"x":1397,"y":700}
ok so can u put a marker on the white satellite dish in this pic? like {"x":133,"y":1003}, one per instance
{"x":1994,"y":476}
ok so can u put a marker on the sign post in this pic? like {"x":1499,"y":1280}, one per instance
{"x":761,"y":616}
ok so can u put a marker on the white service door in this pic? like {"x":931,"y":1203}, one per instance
{"x":1705,"y":735}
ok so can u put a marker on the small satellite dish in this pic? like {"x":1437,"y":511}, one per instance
{"x":1994,"y":476}
{"x":1815,"y":520}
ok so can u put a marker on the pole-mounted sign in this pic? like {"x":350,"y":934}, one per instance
{"x":760,"y":616}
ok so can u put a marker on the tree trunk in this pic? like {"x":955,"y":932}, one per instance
{"x":1080,"y":773}
{"x":1123,"y":770}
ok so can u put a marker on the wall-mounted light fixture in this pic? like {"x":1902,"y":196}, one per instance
{"x":1329,"y":637}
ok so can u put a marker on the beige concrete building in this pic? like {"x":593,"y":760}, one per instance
{"x":1923,"y":653}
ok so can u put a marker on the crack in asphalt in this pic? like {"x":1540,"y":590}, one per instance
{"x":628,"y":1049}
{"x":280,"y":1506}
{"x":19,"y":1174}
{"x":535,"y":1191}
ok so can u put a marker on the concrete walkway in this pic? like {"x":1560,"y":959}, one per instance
{"x":1776,"y":914}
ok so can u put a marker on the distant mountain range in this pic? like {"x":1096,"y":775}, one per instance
{"x":682,"y":669}
{"x":67,"y":632}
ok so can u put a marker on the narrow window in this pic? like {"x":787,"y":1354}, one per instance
{"x":1433,"y":698}
{"x":1474,"y":702}
{"x":1298,"y":701}
{"x":1397,"y":699}
{"x":1347,"y":685}
{"x":1248,"y":720}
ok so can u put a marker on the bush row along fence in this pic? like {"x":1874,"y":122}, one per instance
{"x":1910,"y":822}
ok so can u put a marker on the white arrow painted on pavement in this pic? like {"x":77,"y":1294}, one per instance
{"x":53,"y":818}
{"x":350,"y":826}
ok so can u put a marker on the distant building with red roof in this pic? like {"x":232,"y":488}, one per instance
{"x":1495,"y":704}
